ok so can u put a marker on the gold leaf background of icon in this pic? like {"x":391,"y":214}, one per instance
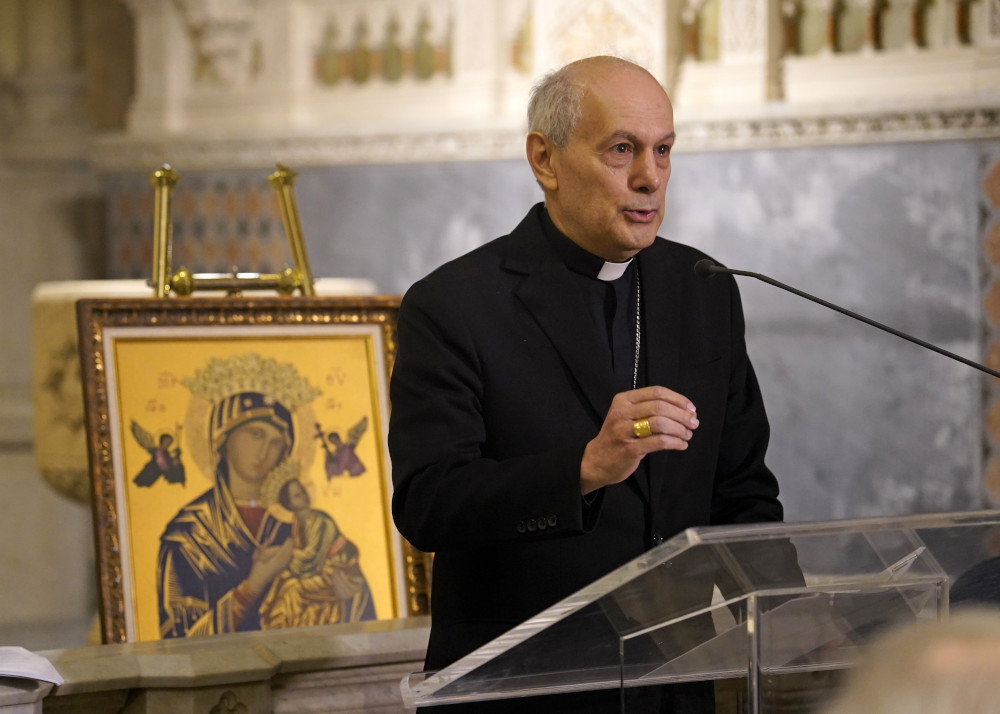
{"x":151,"y":391}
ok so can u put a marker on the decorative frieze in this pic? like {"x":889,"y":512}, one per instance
{"x":570,"y":29}
{"x":355,"y":51}
{"x":222,"y":38}
{"x":238,"y":83}
{"x":743,"y":30}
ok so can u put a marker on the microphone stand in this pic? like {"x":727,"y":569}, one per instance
{"x":706,"y":268}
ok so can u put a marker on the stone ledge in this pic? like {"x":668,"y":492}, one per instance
{"x":297,"y":668}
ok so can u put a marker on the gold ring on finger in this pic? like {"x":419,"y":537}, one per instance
{"x":641,"y":428}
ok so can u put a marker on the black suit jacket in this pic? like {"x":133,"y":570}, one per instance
{"x":500,"y":382}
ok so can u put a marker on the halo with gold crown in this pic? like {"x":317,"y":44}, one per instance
{"x":224,"y":377}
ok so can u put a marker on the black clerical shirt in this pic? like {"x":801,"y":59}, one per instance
{"x":611,"y":302}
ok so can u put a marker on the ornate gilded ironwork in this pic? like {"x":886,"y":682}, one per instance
{"x":184,"y":282}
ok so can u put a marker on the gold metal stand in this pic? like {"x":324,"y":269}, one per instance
{"x":163,"y":179}
{"x":184,"y":282}
{"x":283,"y":182}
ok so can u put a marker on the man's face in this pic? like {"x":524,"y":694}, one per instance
{"x":610,"y":179}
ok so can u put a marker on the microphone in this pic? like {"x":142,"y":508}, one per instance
{"x":707,"y":268}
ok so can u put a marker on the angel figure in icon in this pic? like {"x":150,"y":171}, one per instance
{"x":164,"y":457}
{"x":340,"y":453}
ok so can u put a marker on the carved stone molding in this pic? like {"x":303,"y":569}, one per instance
{"x":833,"y":128}
{"x":570,"y":29}
{"x":111,"y":154}
{"x":374,"y":688}
{"x":743,"y":30}
{"x":221,"y":37}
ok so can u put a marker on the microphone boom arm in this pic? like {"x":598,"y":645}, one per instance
{"x":709,"y":270}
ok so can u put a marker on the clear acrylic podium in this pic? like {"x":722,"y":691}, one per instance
{"x":762,"y":604}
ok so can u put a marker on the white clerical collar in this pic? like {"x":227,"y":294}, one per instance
{"x":613,"y":271}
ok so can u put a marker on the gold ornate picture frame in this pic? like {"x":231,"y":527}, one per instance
{"x":239,"y":466}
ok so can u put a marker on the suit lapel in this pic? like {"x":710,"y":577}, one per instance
{"x":661,"y":320}
{"x":552,"y":296}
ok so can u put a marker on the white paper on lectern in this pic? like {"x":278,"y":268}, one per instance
{"x":22,"y":663}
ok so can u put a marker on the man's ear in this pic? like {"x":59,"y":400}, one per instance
{"x":540,"y":154}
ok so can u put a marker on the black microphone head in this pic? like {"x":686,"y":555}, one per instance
{"x":703,"y":268}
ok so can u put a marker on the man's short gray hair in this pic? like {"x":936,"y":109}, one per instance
{"x":554,"y":104}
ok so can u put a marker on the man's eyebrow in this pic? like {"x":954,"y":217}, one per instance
{"x":622,"y":134}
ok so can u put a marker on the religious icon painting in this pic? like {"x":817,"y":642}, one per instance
{"x":239,"y":467}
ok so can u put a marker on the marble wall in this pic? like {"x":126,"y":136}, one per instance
{"x":863,"y":423}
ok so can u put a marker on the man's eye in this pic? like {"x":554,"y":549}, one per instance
{"x":621,"y":148}
{"x":663,"y":150}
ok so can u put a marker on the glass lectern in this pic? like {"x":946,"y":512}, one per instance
{"x":761,"y":604}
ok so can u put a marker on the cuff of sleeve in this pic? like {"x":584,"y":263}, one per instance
{"x":591,"y":504}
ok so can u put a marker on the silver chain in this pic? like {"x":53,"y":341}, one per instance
{"x":638,"y":328}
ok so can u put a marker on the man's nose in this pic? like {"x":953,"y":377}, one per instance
{"x":646,"y":175}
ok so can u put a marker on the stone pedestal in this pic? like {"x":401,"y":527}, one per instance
{"x":22,"y":696}
{"x":334,"y":668}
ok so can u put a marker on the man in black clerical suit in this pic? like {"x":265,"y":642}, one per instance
{"x":570,"y":395}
